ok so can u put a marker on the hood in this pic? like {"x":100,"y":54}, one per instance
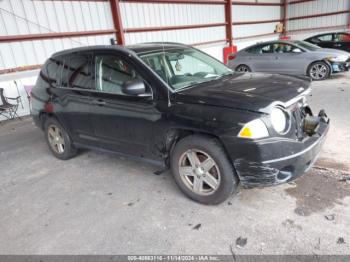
{"x":249,"y":91}
{"x":333,"y":52}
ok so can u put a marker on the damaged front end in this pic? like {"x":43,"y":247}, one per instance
{"x":281,"y":159}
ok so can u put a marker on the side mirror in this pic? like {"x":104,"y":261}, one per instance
{"x":297,"y":50}
{"x":134,"y":88}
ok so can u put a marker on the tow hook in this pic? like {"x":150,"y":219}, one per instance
{"x":323,"y":116}
{"x":311,"y":122}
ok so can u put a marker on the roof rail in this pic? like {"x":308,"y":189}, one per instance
{"x":171,"y":43}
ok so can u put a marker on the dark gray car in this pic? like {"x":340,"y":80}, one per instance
{"x":290,"y":57}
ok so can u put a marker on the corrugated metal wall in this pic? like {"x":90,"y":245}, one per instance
{"x":37,"y":16}
{"x":318,"y":7}
{"x":33,"y":17}
{"x":243,"y":13}
{"x":19,"y":17}
{"x":136,"y":15}
{"x":22,"y":17}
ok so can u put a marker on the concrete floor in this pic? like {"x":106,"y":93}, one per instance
{"x":103,"y":204}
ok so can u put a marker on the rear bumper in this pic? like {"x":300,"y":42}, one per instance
{"x":37,"y":121}
{"x":286,"y":159}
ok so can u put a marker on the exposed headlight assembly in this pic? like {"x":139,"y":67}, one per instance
{"x":279,"y":120}
{"x":341,"y":58}
{"x":254,"y":129}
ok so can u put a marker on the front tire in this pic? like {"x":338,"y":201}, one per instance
{"x":58,"y":140}
{"x":202,"y":170}
{"x":319,"y":71}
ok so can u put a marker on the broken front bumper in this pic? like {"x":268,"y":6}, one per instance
{"x":340,"y":66}
{"x":279,"y":160}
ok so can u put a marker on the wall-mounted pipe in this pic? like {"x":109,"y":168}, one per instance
{"x":203,"y":2}
{"x":256,"y":3}
{"x":258,"y":22}
{"x":300,"y":2}
{"x":43,"y":36}
{"x":166,"y":28}
{"x":318,"y":15}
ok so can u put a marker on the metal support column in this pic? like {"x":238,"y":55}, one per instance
{"x":285,"y":18}
{"x":228,"y":19}
{"x":117,"y":20}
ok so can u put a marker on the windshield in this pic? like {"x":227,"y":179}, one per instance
{"x":182,"y":68}
{"x":308,"y":46}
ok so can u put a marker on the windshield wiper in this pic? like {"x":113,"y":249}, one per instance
{"x":208,"y":80}
{"x":189,"y":85}
{"x":197,"y":83}
{"x":227,"y":74}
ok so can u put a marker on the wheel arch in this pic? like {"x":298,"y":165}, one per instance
{"x":243,"y":64}
{"x":174,"y":135}
{"x":43,"y":116}
{"x":319,"y":60}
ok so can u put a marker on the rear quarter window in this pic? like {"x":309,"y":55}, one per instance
{"x":51,"y":73}
{"x":254,"y":50}
{"x":260,"y":49}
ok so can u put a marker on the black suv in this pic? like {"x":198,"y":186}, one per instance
{"x":179,"y":107}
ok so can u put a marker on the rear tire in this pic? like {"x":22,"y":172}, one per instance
{"x":58,"y":140}
{"x":202,"y":169}
{"x":319,"y":71}
{"x":243,"y":69}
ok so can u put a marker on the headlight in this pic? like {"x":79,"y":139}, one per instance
{"x":279,"y":119}
{"x":254,"y":129}
{"x":340,"y":58}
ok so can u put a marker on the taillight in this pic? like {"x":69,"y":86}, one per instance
{"x":231,"y":57}
{"x":49,"y":107}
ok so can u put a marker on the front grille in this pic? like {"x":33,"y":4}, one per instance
{"x":298,"y":114}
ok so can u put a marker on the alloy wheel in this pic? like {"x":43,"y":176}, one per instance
{"x":318,"y":71}
{"x":243,"y":69}
{"x":56,"y":139}
{"x":199,"y":172}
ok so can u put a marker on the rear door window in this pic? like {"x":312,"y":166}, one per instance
{"x":266,"y":49}
{"x":325,"y":38}
{"x":283,"y":48}
{"x":77,"y":71}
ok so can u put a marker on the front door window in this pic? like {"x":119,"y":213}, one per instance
{"x":112,"y":73}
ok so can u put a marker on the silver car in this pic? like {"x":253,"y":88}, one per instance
{"x":290,"y":57}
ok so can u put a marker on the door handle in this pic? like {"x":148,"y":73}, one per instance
{"x":337,"y":44}
{"x":99,"y":102}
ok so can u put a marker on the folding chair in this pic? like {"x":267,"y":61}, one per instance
{"x":8,"y":110}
